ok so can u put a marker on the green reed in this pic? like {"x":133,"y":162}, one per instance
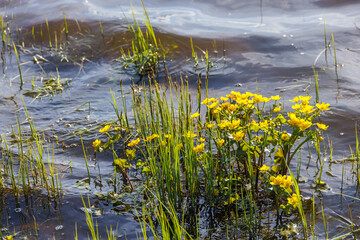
{"x":94,"y":231}
{"x":48,"y":30}
{"x":66,"y":26}
{"x":101,"y":29}
{"x":3,"y":32}
{"x":18,"y":63}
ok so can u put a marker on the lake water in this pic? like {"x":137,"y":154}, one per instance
{"x":267,"y":46}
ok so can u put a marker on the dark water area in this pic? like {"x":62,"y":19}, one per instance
{"x":272,"y":47}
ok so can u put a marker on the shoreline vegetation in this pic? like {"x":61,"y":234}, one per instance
{"x":182,"y":158}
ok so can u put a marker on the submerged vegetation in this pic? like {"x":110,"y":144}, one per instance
{"x":186,"y":164}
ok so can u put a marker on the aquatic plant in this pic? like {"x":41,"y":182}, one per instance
{"x":145,"y":52}
{"x":28,"y":162}
{"x":243,"y":139}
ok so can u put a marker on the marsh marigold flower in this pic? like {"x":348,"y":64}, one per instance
{"x":195,"y":115}
{"x":277,"y":97}
{"x":199,"y":148}
{"x":122,"y":163}
{"x":285,"y":136}
{"x":210,"y":125}
{"x":304,"y":125}
{"x":96,"y":143}
{"x":277,"y":180}
{"x":133,"y":143}
{"x":322,"y":126}
{"x":323,"y":106}
{"x":190,"y":134}
{"x":105,"y":129}
{"x":287,"y":182}
{"x":220,"y":142}
{"x":130,"y":153}
{"x":208,"y":100}
{"x":238,"y":136}
{"x":149,"y":138}
{"x":264,"y":168}
{"x":293,"y":200}
{"x":213,"y":105}
{"x":277,"y":109}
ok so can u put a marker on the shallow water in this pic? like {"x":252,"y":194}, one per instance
{"x":266,"y":46}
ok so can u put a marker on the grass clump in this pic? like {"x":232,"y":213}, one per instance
{"x":232,"y":152}
{"x":145,"y":51}
{"x":27,"y":163}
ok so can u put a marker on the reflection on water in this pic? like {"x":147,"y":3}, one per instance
{"x":264,"y":45}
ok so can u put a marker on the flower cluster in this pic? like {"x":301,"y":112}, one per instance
{"x":239,"y":133}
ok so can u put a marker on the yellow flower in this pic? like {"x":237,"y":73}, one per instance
{"x":210,"y":125}
{"x":293,"y":200}
{"x":323,"y":106}
{"x":9,"y":237}
{"x":264,"y":168}
{"x":299,"y":122}
{"x":163,"y":143}
{"x":304,"y":99}
{"x":130,"y":153}
{"x":190,"y":134}
{"x":322,"y":126}
{"x":121,"y":163}
{"x":277,"y":109}
{"x":304,"y":125}
{"x":105,"y":129}
{"x":254,"y":126}
{"x":238,"y":136}
{"x":223,"y":124}
{"x":277,"y":180}
{"x":257,"y":98}
{"x":277,"y":97}
{"x":146,"y":169}
{"x":195,"y":115}
{"x":134,"y":142}
{"x":296,"y":106}
{"x":233,"y":107}
{"x":213,"y":105}
{"x":307,"y":109}
{"x":199,"y":148}
{"x":149,"y":138}
{"x":234,"y":124}
{"x":279,"y":155}
{"x":208,"y":100}
{"x":96,"y":143}
{"x":287,"y":182}
{"x":220,"y":142}
{"x":224,"y":99}
{"x":167,"y":136}
{"x":216,"y":110}
{"x":296,"y":99}
{"x":117,"y":129}
{"x":264,"y":125}
{"x":285,"y":136}
{"x":201,"y":140}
